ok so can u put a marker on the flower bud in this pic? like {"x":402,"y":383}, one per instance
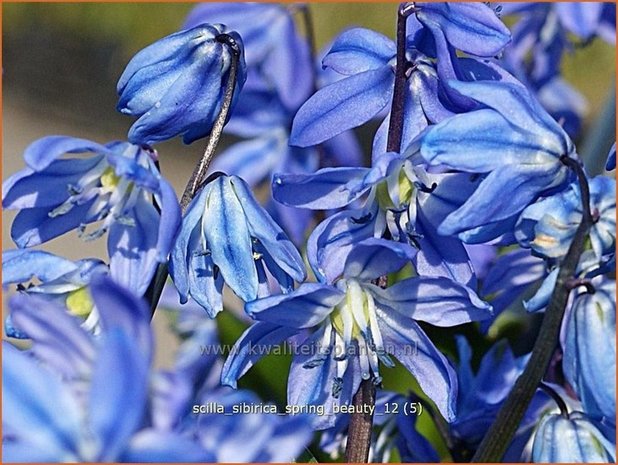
{"x":176,"y":86}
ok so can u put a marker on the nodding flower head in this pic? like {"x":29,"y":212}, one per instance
{"x":176,"y":86}
{"x":226,"y":236}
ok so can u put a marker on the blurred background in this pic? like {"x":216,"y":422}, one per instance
{"x":60,"y":65}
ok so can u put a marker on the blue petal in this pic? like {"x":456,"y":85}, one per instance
{"x":264,"y":228}
{"x":430,"y":368}
{"x":439,"y":301}
{"x":471,"y":27}
{"x":290,"y":65}
{"x":440,"y":255}
{"x":376,"y":257}
{"x":504,"y":193}
{"x":358,"y":50}
{"x":20,"y":266}
{"x":541,"y":299}
{"x":581,"y":20}
{"x":48,"y":188}
{"x":119,"y":308}
{"x":132,"y":247}
{"x":589,"y":350}
{"x":34,"y":400}
{"x":180,"y":259}
{"x":163,"y":50}
{"x":57,"y":337}
{"x":306,"y":307}
{"x":151,"y":445}
{"x":170,"y":219}
{"x":332,"y":240}
{"x":34,"y":226}
{"x":326,"y":189}
{"x":191,"y":101}
{"x":314,"y":385}
{"x":41,"y":153}
{"x":254,"y":343}
{"x":205,"y":283}
{"x":570,"y":440}
{"x":229,"y":240}
{"x":342,"y":105}
{"x":118,"y":392}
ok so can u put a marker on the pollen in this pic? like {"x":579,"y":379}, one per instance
{"x":543,"y":240}
{"x":109,"y":178}
{"x":80,"y":303}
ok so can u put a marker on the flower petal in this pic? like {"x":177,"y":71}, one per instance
{"x":305,"y":307}
{"x":254,"y":344}
{"x":358,"y":50}
{"x":343,"y":105}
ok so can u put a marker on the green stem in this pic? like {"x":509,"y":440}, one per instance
{"x":494,"y":444}
{"x":153,"y":293}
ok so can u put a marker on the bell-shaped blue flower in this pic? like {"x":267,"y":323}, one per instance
{"x":272,"y":45}
{"x":512,"y":141}
{"x":548,"y":226}
{"x":227,"y":237}
{"x":176,"y":85}
{"x":116,"y":186}
{"x":589,"y":362}
{"x":357,"y":326}
{"x":570,"y":440}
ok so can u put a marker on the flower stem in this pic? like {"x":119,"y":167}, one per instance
{"x":395,"y":123}
{"x":359,"y":431}
{"x":499,"y":435}
{"x":201,"y":169}
{"x":153,"y":293}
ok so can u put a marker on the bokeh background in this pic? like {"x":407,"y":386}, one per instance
{"x":60,"y":65}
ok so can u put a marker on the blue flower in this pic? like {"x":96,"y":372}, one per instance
{"x":60,"y":280}
{"x":272,"y":46}
{"x":548,"y":226}
{"x":116,"y":186}
{"x":366,"y":60}
{"x":176,"y":85}
{"x":589,"y":362}
{"x":227,"y":237}
{"x":570,"y":439}
{"x":512,"y":141}
{"x":356,"y":326}
{"x":509,"y":277}
{"x":94,"y":410}
{"x":540,"y":39}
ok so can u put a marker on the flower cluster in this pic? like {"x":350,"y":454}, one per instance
{"x":389,"y":280}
